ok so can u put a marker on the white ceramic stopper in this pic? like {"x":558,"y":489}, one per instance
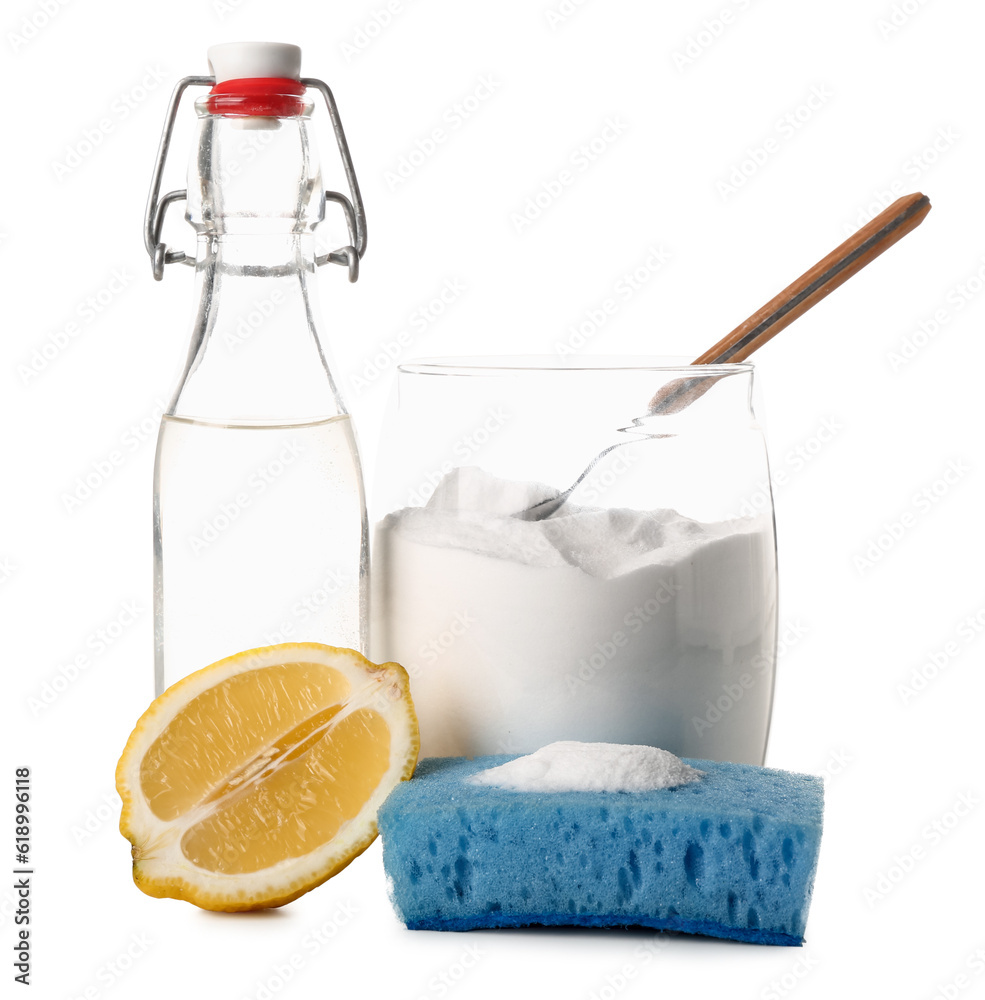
{"x":242,"y":60}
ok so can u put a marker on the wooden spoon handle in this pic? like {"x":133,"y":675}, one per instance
{"x":890,"y":225}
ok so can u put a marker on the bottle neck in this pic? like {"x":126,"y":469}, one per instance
{"x":254,"y":195}
{"x":255,"y":255}
{"x":256,"y":355}
{"x":254,"y":176}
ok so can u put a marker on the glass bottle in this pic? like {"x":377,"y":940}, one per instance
{"x":260,"y":532}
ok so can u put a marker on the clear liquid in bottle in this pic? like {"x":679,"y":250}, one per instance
{"x":258,"y":539}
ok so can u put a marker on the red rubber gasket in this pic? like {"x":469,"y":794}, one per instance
{"x":262,"y":97}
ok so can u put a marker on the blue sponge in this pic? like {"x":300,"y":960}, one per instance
{"x":732,"y":855}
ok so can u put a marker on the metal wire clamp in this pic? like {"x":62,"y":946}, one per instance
{"x":157,"y":206}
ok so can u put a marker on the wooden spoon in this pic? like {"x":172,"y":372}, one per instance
{"x":890,"y":225}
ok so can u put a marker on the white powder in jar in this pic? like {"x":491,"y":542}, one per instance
{"x":613,"y":625}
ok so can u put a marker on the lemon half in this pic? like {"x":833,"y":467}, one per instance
{"x":257,"y":778}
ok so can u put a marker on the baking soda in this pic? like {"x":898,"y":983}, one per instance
{"x":595,"y":625}
{"x":569,"y":766}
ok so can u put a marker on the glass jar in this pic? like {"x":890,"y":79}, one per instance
{"x":642,"y":610}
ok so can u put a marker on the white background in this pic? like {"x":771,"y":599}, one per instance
{"x":900,"y":110}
